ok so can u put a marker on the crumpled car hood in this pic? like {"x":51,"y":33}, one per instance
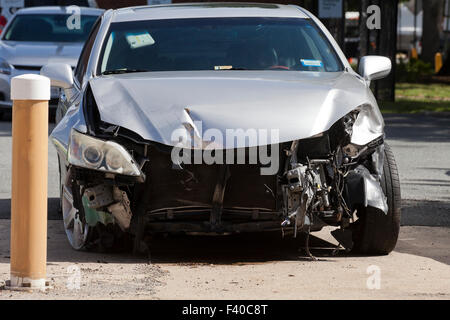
{"x":298,"y":104}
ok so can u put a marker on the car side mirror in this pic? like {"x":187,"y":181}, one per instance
{"x":60,"y":75}
{"x":374,"y":67}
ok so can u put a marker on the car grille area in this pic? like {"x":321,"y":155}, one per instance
{"x":189,"y":190}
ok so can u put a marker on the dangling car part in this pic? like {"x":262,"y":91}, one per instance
{"x":222,"y":120}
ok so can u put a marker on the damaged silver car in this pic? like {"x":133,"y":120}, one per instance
{"x":221,"y":118}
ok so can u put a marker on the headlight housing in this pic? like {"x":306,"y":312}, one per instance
{"x":108,"y":156}
{"x":365,"y":126}
{"x":368,"y":126}
{"x":5,"y":67}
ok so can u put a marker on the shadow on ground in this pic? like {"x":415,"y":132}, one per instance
{"x":417,"y":127}
{"x":425,"y":213}
{"x":52,"y":203}
{"x":425,"y":232}
{"x":418,"y":236}
{"x":239,"y":249}
{"x":229,"y":249}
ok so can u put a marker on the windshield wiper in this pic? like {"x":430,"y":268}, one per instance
{"x":122,"y":71}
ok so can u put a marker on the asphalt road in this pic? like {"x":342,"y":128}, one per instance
{"x":421,"y":146}
{"x":262,"y":266}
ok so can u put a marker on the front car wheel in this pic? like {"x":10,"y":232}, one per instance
{"x":77,"y":230}
{"x":376,"y":232}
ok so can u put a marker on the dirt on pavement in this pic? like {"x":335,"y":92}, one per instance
{"x":259,"y":266}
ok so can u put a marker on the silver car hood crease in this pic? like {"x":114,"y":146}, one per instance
{"x":298,"y":104}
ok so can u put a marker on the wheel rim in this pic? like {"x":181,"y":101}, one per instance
{"x":76,"y":230}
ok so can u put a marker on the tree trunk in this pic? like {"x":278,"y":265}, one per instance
{"x":432,"y":28}
{"x":381,"y":42}
{"x":363,"y":31}
{"x":387,"y":45}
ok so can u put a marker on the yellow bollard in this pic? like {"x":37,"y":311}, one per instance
{"x":30,"y":95}
{"x":437,"y":62}
{"x":414,"y":54}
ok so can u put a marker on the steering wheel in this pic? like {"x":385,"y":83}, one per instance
{"x":276,"y":67}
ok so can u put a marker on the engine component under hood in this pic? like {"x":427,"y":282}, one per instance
{"x":299,"y":106}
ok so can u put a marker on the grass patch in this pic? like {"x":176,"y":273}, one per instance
{"x":416,"y":97}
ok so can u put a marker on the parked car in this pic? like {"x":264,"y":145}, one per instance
{"x":221,"y":118}
{"x":36,"y":36}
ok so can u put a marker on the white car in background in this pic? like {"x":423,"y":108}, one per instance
{"x":37,"y":36}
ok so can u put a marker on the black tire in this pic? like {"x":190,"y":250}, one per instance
{"x":376,"y":233}
{"x":1,"y":115}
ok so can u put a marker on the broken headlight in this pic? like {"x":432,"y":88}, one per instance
{"x":365,"y":127}
{"x":92,"y":153}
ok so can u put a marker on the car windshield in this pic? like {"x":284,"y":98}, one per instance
{"x":217,"y":44}
{"x":49,"y":28}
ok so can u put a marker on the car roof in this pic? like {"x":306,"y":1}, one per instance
{"x":207,"y":10}
{"x":60,"y":10}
